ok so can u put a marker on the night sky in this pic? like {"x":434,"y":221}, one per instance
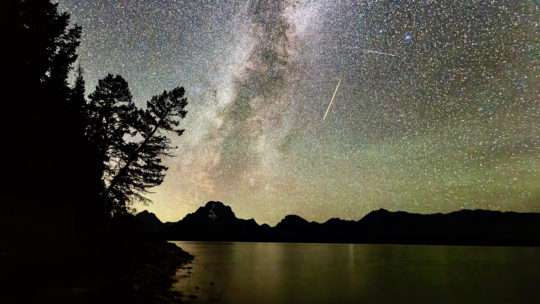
{"x":437,"y":109}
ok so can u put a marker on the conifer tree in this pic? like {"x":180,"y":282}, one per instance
{"x":131,"y":142}
{"x":141,"y":163}
{"x":78,"y":91}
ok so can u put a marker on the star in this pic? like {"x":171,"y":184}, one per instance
{"x":408,"y":37}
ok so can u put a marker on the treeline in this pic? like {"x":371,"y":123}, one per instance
{"x":74,"y":164}
{"x":104,"y":146}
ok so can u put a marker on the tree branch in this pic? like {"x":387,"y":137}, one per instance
{"x":134,"y":156}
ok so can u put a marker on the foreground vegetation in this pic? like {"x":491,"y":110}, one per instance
{"x":73,"y":166}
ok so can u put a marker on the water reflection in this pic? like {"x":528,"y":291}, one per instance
{"x":347,"y":273}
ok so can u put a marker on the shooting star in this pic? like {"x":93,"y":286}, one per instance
{"x":374,"y":52}
{"x":331,"y":100}
{"x":379,"y":53}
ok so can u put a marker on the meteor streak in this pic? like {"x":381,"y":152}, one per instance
{"x":331,"y":100}
{"x":380,"y":53}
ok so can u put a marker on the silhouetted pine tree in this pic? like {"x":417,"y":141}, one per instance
{"x":90,"y":154}
{"x":140,"y":166}
{"x":131,"y":142}
{"x":43,"y":51}
{"x":78,"y":92}
{"x":49,"y":183}
{"x":49,"y":163}
{"x":108,"y":113}
{"x":52,"y":194}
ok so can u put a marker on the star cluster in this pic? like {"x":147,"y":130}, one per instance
{"x":438,"y":107}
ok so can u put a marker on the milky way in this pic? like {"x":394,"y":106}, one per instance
{"x":437,"y":110}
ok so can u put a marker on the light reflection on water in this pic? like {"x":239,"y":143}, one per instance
{"x":357,"y":273}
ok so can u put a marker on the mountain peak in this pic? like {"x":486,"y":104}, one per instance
{"x":149,"y":220}
{"x":378,"y":212}
{"x":213,"y":210}
{"x":211,"y":204}
{"x":145,"y":214}
{"x":292,"y":219}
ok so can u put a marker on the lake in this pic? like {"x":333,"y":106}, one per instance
{"x":358,"y":273}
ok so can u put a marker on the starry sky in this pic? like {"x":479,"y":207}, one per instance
{"x":438,"y":105}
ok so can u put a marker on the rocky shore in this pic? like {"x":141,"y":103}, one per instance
{"x":114,"y":262}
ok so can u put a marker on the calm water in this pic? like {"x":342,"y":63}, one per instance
{"x":347,"y":273}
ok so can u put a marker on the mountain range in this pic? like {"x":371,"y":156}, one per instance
{"x":217,"y":222}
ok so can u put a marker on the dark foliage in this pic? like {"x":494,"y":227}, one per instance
{"x":57,"y":158}
{"x":137,"y":163}
{"x":108,"y":114}
{"x":131,"y":142}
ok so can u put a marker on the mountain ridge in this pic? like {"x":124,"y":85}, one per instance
{"x":216,"y":221}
